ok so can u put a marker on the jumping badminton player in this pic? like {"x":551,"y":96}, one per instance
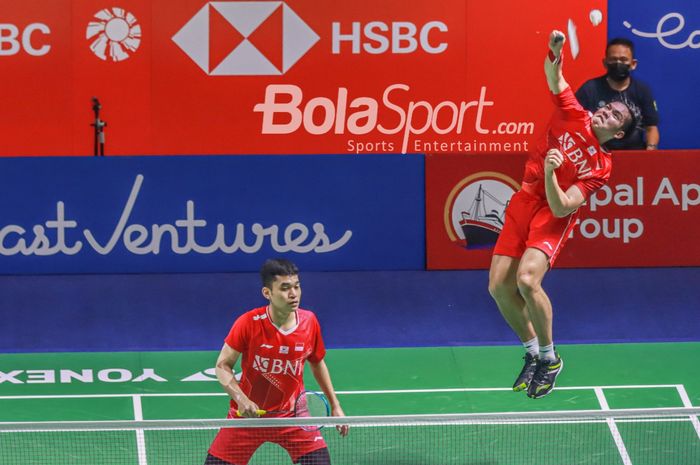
{"x":274,"y":341}
{"x":567,"y":166}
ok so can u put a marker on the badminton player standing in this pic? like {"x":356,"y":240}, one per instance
{"x":567,"y":166}
{"x":274,"y":342}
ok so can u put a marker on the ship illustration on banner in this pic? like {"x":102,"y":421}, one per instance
{"x":482,"y":224}
{"x":475,"y":209}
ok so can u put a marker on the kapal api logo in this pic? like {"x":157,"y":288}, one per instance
{"x":115,"y":33}
{"x":475,"y":209}
{"x":245,"y":38}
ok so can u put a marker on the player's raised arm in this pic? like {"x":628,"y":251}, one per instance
{"x":553,"y":63}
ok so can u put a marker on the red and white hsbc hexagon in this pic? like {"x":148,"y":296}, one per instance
{"x":229,"y":38}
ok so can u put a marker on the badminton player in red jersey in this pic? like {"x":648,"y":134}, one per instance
{"x":274,"y":342}
{"x":567,"y":166}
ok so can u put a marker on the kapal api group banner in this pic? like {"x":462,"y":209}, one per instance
{"x":210,"y":214}
{"x":647,"y":215}
{"x":285,"y":77}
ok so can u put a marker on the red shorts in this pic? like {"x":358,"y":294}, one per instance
{"x":530,"y":223}
{"x":237,"y":445}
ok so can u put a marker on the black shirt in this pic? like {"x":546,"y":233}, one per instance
{"x":596,"y":93}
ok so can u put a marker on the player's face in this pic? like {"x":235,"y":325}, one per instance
{"x":285,"y":294}
{"x":611,"y":117}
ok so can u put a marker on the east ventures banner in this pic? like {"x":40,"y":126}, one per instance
{"x":210,"y":214}
{"x":647,"y":215}
{"x":284,"y":77}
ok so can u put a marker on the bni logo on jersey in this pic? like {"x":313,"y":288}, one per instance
{"x":275,"y":366}
{"x":238,"y":38}
{"x":475,"y":209}
{"x":262,"y":364}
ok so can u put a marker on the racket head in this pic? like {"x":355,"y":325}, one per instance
{"x":311,"y":404}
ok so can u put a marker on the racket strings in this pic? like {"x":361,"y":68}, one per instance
{"x":317,"y":406}
{"x":312,"y":404}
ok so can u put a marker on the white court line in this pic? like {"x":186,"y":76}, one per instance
{"x":613,"y":428}
{"x":687,"y":403}
{"x":383,"y":391}
{"x":140,"y":438}
{"x":564,"y":388}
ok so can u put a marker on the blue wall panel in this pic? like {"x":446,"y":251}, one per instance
{"x":356,"y":309}
{"x":165,"y":214}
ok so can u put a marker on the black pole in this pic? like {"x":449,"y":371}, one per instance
{"x":99,"y":125}
{"x":96,"y":109}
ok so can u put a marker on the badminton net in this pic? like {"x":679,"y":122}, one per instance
{"x":610,"y":437}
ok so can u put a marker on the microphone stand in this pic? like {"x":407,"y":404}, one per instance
{"x":99,"y":125}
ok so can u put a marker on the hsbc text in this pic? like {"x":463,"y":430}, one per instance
{"x":12,"y":41}
{"x":377,"y":37}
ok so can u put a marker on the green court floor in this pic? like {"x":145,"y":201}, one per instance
{"x":406,"y":381}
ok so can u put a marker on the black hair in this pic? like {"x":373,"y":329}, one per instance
{"x":634,"y":122}
{"x":620,"y":41}
{"x":276,"y":267}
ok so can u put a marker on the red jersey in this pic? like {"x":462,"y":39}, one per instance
{"x":273,"y":359}
{"x":586,"y":164}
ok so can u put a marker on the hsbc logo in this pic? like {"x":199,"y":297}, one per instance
{"x":239,"y":38}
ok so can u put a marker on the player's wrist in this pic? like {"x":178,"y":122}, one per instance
{"x":554,"y":57}
{"x":236,"y":393}
{"x":652,"y":146}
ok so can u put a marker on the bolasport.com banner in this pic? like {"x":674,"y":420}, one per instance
{"x":285,"y":77}
{"x":646,"y":215}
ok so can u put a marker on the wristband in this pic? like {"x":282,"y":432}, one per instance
{"x":553,"y":58}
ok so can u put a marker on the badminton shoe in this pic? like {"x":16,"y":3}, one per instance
{"x":545,"y":375}
{"x":526,"y":374}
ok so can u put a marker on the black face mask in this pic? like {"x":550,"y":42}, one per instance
{"x":618,"y":71}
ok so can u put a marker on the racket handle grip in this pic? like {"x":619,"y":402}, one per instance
{"x":259,"y":412}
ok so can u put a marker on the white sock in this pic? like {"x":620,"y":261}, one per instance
{"x":532,"y":346}
{"x":547,"y":353}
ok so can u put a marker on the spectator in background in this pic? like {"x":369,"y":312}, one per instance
{"x":618,"y":85}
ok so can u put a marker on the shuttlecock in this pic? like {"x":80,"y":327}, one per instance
{"x":596,"y":16}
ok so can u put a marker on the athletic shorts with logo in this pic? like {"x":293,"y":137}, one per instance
{"x":237,"y":445}
{"x":531,"y":223}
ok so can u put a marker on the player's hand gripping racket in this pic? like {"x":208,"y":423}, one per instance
{"x":307,"y":404}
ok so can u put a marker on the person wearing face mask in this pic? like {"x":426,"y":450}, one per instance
{"x":619,"y":85}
